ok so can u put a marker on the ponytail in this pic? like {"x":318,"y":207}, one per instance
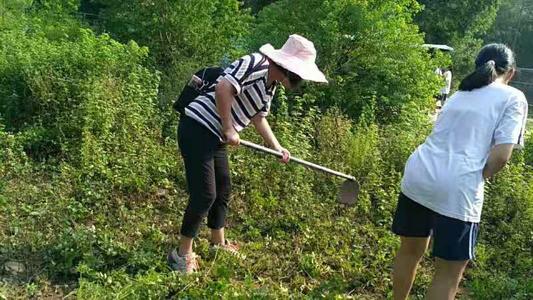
{"x":493,"y":60}
{"x":482,"y":76}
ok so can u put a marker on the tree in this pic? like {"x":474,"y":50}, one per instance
{"x":514,"y":27}
{"x":444,"y":21}
{"x":461,"y":24}
{"x":370,"y":50}
{"x":257,"y":5}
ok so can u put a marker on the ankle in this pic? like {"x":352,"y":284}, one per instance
{"x":218,"y":242}
{"x":217,"y":236}
{"x":185,"y":251}
{"x":185,"y":246}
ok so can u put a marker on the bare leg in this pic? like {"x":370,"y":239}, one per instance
{"x":185,"y":246}
{"x":411,"y":251}
{"x":217,"y":236}
{"x":447,"y":276}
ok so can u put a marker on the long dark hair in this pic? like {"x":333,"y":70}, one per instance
{"x":492,"y":61}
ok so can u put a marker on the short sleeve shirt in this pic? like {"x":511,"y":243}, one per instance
{"x":445,"y":172}
{"x":249,"y":76}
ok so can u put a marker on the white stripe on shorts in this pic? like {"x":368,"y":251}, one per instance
{"x":471,"y":242}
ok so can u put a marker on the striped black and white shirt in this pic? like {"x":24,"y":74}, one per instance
{"x":249,"y":77}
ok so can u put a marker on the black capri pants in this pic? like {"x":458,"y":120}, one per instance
{"x":208,"y":176}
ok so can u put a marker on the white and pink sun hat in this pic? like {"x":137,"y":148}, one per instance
{"x":297,"y":55}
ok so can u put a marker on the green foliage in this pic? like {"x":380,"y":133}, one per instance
{"x":51,"y":19}
{"x":370,"y":51}
{"x":90,"y":103}
{"x":507,"y":235}
{"x":181,"y":35}
{"x":257,"y":5}
{"x":11,"y":11}
{"x":13,"y":160}
{"x":460,"y":24}
{"x":443,"y":21}
{"x":514,"y":27}
{"x":500,"y":286}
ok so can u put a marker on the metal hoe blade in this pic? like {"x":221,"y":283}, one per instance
{"x":348,"y":192}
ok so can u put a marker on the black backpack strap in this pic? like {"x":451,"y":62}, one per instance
{"x":207,"y":82}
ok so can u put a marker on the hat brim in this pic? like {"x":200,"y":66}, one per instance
{"x":306,"y":70}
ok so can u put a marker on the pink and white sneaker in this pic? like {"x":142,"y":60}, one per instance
{"x":229,"y":247}
{"x":187,"y":264}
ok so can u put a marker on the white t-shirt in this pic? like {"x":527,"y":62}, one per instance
{"x":447,"y":82}
{"x":445,"y":173}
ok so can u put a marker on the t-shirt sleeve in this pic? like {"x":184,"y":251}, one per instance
{"x":512,"y":126}
{"x":265,"y":110}
{"x":239,"y":70}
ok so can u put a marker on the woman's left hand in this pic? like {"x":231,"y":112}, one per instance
{"x":286,"y":155}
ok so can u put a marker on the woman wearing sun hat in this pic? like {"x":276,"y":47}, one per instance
{"x":241,"y":95}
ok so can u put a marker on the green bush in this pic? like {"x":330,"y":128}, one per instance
{"x":183,"y":36}
{"x":13,"y":159}
{"x":89,"y":103}
{"x":506,"y":236}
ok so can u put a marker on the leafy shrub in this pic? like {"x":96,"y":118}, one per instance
{"x":182,"y":35}
{"x":506,"y":236}
{"x":13,"y":160}
{"x":90,"y":103}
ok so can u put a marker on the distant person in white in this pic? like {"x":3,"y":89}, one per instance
{"x":443,"y":183}
{"x":446,"y":74}
{"x":438,"y":71}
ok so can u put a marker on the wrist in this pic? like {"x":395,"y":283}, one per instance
{"x":276,"y":147}
{"x":280,"y":149}
{"x":227,"y":127}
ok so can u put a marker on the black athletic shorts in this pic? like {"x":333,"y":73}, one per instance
{"x":453,"y":239}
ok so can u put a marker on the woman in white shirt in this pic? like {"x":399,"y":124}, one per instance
{"x":443,"y":183}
